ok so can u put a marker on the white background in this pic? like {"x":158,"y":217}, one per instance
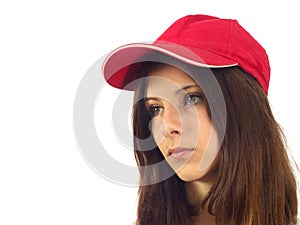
{"x":45,"y":49}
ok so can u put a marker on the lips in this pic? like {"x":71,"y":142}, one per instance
{"x":179,"y":152}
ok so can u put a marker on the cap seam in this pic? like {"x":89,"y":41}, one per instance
{"x":188,"y":18}
{"x":229,"y":35}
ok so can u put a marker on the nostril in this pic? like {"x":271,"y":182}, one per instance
{"x":167,"y":131}
{"x":172,"y":130}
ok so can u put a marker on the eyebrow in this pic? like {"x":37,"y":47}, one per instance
{"x":186,"y":87}
{"x":177,"y":92}
{"x":150,"y":98}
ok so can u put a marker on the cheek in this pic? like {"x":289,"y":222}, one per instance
{"x":157,"y":129}
{"x":208,"y":143}
{"x":210,"y":149}
{"x":204,"y":133}
{"x":204,"y":125}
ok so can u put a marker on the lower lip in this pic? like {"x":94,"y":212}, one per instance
{"x":181,"y":154}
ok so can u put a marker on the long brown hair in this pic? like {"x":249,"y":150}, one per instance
{"x":255,"y":183}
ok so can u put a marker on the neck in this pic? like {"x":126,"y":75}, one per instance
{"x":196,"y":191}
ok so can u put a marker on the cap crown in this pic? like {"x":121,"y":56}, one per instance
{"x":221,"y":37}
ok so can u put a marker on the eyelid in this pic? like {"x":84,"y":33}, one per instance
{"x":149,"y":106}
{"x":151,"y":101}
{"x":197,"y":93}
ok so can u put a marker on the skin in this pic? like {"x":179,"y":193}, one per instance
{"x":180,"y":120}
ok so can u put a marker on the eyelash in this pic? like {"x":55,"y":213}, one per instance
{"x":155,"y":109}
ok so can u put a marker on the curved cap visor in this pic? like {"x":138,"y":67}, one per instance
{"x":121,"y":65}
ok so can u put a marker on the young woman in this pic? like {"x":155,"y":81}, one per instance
{"x":207,"y":145}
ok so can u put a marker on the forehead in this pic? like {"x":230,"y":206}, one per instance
{"x":166,"y":80}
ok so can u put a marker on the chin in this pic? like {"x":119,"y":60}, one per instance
{"x":190,"y":172}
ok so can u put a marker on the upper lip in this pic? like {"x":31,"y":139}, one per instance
{"x":178,"y":149}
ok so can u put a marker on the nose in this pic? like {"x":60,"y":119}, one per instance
{"x":172,"y":121}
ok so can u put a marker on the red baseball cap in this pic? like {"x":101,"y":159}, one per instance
{"x":199,"y":40}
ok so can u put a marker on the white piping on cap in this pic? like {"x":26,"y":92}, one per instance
{"x":153,"y":47}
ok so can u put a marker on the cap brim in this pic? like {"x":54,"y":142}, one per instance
{"x":116,"y":65}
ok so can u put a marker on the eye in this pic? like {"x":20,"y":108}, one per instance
{"x":193,"y":98}
{"x":154,"y":110}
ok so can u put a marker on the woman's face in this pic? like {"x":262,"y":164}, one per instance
{"x":180,"y":123}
